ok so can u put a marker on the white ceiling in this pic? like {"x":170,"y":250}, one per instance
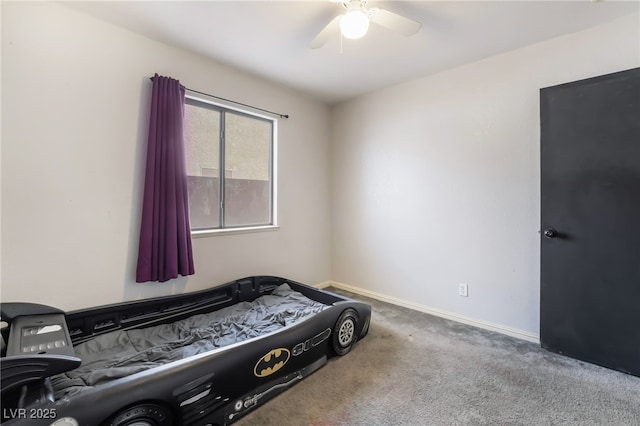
{"x":270,"y":38}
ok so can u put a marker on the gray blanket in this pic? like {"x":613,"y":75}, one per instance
{"x":121,"y":353}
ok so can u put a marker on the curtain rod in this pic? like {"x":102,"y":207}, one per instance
{"x":237,"y":103}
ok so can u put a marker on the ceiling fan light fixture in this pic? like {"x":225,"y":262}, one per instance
{"x":354,"y":24}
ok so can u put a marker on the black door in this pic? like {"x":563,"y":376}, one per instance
{"x":590,"y":220}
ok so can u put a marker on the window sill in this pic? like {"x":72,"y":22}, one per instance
{"x":231,"y":231}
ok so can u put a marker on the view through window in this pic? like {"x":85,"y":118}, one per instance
{"x":241,"y":145}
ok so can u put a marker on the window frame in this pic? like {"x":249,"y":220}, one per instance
{"x":202,"y":101}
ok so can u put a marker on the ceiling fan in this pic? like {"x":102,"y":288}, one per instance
{"x":354,"y":23}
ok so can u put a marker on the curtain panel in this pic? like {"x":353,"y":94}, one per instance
{"x":165,"y":250}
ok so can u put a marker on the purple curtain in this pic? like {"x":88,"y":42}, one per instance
{"x":165,"y":235}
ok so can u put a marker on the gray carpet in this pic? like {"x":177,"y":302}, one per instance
{"x":417,"y":369}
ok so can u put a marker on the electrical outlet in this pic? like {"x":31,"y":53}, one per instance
{"x":463,"y":290}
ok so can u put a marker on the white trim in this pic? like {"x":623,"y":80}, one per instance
{"x":228,"y":231}
{"x":274,"y":173}
{"x":211,"y":100}
{"x":323,"y":284}
{"x":513,"y":332}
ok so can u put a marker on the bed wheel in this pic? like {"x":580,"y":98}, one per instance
{"x":344,"y":333}
{"x":145,"y":414}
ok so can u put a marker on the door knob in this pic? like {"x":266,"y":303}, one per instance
{"x":550,"y":233}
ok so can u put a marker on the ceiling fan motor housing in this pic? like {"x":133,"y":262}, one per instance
{"x":355,"y":22}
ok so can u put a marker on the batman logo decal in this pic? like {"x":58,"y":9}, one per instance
{"x":271,"y":362}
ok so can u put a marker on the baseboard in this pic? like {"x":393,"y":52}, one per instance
{"x":323,"y":284}
{"x":513,"y":332}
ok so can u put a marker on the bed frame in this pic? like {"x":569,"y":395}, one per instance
{"x":212,"y":388}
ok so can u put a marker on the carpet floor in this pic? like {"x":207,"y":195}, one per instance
{"x":417,"y":369}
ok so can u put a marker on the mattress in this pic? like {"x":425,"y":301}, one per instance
{"x":124,"y":352}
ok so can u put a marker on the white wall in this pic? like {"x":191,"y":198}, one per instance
{"x":75,"y":95}
{"x":436,"y":181}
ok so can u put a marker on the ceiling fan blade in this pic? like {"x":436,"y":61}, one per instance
{"x":394,"y":22}
{"x":332,"y":28}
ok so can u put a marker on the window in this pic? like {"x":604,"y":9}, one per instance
{"x":240,"y":144}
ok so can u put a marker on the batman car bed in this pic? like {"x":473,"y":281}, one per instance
{"x":201,"y":358}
